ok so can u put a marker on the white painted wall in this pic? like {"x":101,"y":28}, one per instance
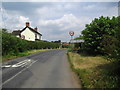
{"x":29,"y":35}
{"x":38,"y":37}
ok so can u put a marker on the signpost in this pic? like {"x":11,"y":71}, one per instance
{"x":71,"y":33}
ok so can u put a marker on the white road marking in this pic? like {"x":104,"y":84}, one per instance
{"x":6,"y":66}
{"x":22,"y":63}
{"x":17,"y":73}
{"x":25,"y":62}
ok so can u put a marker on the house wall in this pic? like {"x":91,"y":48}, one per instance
{"x":29,"y":35}
{"x":38,"y":36}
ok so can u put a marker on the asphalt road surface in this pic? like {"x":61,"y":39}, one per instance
{"x":49,"y":69}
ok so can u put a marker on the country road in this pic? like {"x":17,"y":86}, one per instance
{"x":49,"y":69}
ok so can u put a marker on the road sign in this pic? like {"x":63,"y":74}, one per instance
{"x":71,"y":33}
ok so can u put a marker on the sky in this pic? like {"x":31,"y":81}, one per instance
{"x":55,"y":19}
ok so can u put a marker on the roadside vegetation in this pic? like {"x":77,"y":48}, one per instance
{"x":21,"y":54}
{"x":13,"y":47}
{"x":97,"y":59}
{"x":94,"y":71}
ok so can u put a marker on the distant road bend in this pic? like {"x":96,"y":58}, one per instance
{"x":49,"y":69}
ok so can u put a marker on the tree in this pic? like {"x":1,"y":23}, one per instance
{"x":95,"y":31}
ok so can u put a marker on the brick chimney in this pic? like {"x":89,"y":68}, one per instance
{"x":36,"y":29}
{"x":27,"y":24}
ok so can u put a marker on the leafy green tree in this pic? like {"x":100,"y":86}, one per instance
{"x":94,"y":33}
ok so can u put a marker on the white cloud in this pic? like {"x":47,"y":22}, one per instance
{"x":68,"y":20}
{"x":64,"y":22}
{"x":13,"y":20}
{"x":55,"y":20}
{"x":59,"y":28}
{"x":23,"y":19}
{"x":47,"y":12}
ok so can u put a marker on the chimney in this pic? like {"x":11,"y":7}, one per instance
{"x":36,"y":29}
{"x":27,"y":24}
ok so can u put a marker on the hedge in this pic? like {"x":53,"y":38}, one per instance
{"x":14,"y":45}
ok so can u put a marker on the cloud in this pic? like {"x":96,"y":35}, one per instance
{"x":22,"y":19}
{"x":55,"y":20}
{"x":53,"y":10}
{"x":13,"y":20}
{"x":59,"y":28}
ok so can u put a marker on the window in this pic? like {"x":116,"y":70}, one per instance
{"x":23,"y":37}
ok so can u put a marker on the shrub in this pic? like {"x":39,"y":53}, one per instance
{"x":14,"y":45}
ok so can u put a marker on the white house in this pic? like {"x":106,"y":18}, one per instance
{"x":28,"y":33}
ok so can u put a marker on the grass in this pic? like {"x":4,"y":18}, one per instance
{"x":13,"y":56}
{"x":94,"y":71}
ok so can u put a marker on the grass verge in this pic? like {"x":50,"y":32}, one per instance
{"x":13,"y":56}
{"x":94,"y":71}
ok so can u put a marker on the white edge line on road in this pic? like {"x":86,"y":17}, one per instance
{"x":17,"y":74}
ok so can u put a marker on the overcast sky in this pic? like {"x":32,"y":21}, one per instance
{"x":55,"y":19}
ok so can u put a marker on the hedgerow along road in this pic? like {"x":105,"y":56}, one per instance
{"x":49,"y":69}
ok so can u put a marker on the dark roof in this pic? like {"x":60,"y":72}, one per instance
{"x":16,"y":32}
{"x":31,"y":30}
